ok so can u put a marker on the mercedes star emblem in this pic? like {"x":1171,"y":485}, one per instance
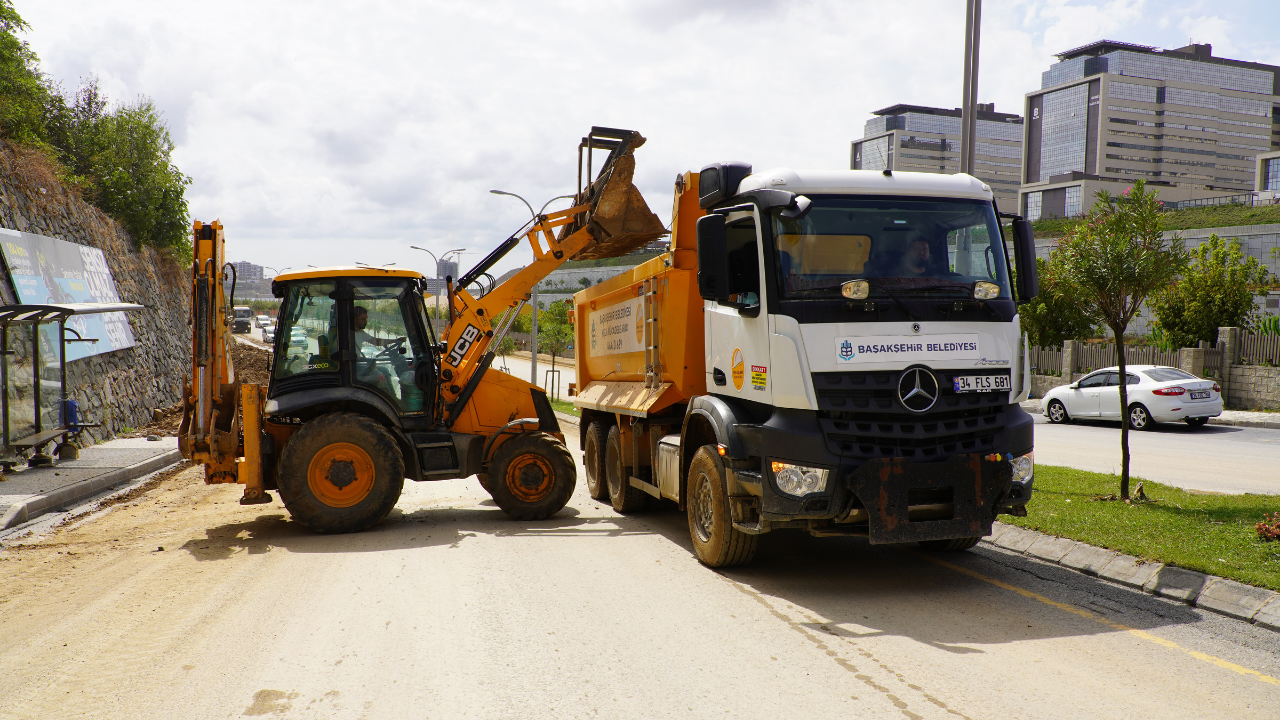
{"x":915,"y":327}
{"x":917,"y":389}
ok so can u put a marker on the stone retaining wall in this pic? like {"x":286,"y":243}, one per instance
{"x":1252,"y":387}
{"x":121,"y":388}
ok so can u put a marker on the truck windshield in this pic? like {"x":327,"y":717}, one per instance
{"x":902,"y":246}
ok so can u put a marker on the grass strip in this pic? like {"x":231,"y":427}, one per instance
{"x":1189,"y":219}
{"x":565,"y":406}
{"x":1210,"y":533}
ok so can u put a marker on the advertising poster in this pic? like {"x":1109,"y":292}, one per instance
{"x":47,"y":270}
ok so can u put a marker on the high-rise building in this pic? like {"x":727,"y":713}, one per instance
{"x":1268,"y":172}
{"x":1109,"y":113}
{"x":927,"y":139}
{"x":246,"y":270}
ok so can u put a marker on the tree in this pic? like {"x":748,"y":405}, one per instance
{"x":24,"y":94}
{"x":1118,"y":257}
{"x":1216,"y":291}
{"x":555,"y":332}
{"x":1055,"y":316}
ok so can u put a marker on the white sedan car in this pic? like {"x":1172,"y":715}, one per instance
{"x":1156,"y":394}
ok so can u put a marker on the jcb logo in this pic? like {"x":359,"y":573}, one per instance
{"x":464,"y":343}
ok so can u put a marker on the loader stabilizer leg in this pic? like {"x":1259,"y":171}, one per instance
{"x":249,"y":467}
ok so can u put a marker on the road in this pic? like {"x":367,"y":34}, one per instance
{"x":1214,"y":458}
{"x":450,"y":610}
{"x":519,"y":367}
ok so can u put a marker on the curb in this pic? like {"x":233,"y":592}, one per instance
{"x":567,"y":418}
{"x":1209,"y":592}
{"x":36,"y":506}
{"x":1267,"y":424}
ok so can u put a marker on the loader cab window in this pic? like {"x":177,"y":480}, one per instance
{"x":744,"y":262}
{"x":387,"y":344}
{"x":306,"y":329}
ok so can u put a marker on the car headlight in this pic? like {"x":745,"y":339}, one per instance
{"x":798,"y":479}
{"x":1024,"y":467}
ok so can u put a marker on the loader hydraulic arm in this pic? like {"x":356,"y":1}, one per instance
{"x":610,"y":219}
{"x":214,"y":402}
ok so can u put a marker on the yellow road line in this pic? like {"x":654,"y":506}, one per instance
{"x":1099,"y":619}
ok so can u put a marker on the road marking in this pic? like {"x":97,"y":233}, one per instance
{"x":1099,"y":619}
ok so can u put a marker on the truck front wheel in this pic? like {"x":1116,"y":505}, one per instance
{"x":716,"y":541}
{"x":532,"y":476}
{"x":340,"y":473}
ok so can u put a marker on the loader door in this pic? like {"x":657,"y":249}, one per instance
{"x":304,"y":339}
{"x":389,"y":350}
{"x":738,"y":333}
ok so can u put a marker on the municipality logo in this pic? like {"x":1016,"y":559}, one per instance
{"x":846,"y":350}
{"x":593,"y":333}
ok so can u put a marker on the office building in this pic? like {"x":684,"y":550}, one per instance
{"x":247,"y":271}
{"x":1109,"y":113}
{"x":1268,"y":169}
{"x":926,"y":139}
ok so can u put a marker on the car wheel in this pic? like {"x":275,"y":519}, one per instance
{"x":1057,"y":412}
{"x":1140,"y":418}
{"x":1197,"y":422}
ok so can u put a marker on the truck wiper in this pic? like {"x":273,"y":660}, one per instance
{"x":907,"y":310}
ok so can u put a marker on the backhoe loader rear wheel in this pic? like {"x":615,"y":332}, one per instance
{"x":532,"y":476}
{"x":625,"y":499}
{"x":340,"y":473}
{"x":593,"y":460}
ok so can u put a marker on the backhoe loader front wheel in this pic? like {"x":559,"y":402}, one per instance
{"x":341,"y":473}
{"x":532,"y":476}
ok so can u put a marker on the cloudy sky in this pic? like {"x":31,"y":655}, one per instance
{"x":324,"y":132}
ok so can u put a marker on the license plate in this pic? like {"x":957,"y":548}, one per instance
{"x":1199,"y":394}
{"x":981,"y":383}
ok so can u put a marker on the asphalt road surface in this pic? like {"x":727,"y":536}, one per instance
{"x":1214,"y":458}
{"x":450,"y":610}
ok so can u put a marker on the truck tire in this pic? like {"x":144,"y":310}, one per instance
{"x":956,"y":545}
{"x":625,"y":499}
{"x":532,"y":476}
{"x":715,"y":540}
{"x":340,"y":473}
{"x":593,"y":460}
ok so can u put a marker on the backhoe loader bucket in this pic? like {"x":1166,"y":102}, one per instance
{"x":619,"y":220}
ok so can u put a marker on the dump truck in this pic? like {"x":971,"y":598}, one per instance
{"x":362,"y":393}
{"x":837,"y":352}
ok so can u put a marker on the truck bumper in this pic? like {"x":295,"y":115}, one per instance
{"x":894,"y":499}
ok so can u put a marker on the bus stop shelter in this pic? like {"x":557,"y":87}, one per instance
{"x":65,"y":421}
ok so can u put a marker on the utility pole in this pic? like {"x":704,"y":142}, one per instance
{"x":968,"y":109}
{"x":533,"y":340}
{"x":969,"y":118}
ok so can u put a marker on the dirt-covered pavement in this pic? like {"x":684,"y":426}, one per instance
{"x":180,"y":603}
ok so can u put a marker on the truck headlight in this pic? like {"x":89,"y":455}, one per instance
{"x":985,"y":291}
{"x":799,"y":480}
{"x":1024,"y":467}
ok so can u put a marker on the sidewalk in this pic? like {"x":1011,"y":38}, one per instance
{"x":29,"y":492}
{"x":1238,"y":418}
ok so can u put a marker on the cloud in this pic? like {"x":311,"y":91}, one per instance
{"x":326,"y":132}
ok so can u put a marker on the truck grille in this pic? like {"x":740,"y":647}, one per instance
{"x":861,"y":418}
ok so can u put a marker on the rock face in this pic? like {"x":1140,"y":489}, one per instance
{"x":122,"y":388}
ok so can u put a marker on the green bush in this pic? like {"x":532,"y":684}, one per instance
{"x":118,"y":158}
{"x":1216,"y":290}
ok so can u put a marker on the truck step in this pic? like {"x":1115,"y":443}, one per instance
{"x":645,"y":486}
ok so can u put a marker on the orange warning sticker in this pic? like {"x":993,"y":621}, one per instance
{"x":736,"y":362}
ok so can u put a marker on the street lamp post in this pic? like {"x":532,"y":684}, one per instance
{"x":445,"y":256}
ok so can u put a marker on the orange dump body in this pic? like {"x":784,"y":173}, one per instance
{"x":640,"y":333}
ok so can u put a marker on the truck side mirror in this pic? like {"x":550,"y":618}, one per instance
{"x":1024,"y":252}
{"x":713,"y":259}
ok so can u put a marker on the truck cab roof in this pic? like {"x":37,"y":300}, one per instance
{"x":348,"y":271}
{"x":866,"y":182}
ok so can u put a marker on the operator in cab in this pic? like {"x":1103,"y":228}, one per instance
{"x":359,"y":321}
{"x":915,"y":260}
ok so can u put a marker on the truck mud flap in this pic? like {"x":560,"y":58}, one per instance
{"x":908,"y":502}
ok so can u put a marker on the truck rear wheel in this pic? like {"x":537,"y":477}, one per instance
{"x":340,"y":473}
{"x":625,"y":499}
{"x":593,"y":460}
{"x":956,"y":545}
{"x":532,"y":476}
{"x":716,"y":541}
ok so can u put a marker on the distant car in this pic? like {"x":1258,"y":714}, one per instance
{"x":262,"y":320}
{"x":269,"y":332}
{"x":298,"y":338}
{"x":1156,"y":394}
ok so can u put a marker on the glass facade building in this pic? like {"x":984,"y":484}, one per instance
{"x":1110,"y":113}
{"x":914,"y":138}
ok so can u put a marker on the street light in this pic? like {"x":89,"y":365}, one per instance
{"x":437,"y":260}
{"x":275,"y":271}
